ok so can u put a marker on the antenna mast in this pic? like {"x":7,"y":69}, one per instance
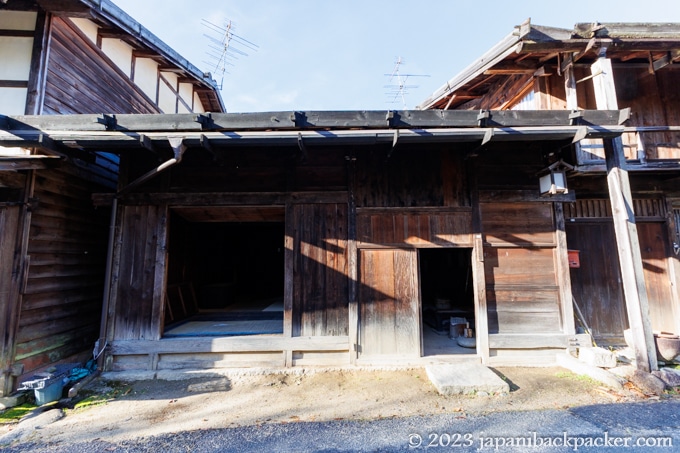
{"x":399,"y":90}
{"x":224,"y":47}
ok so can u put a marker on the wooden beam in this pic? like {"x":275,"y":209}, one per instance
{"x":538,"y":341}
{"x":352,"y":262}
{"x":313,"y":121}
{"x":38,"y":72}
{"x":289,"y":280}
{"x":17,"y":33}
{"x":630,"y":257}
{"x":627,"y":242}
{"x":13,"y":83}
{"x":234,"y":198}
{"x":260,"y":343}
{"x":477,"y":263}
{"x":28,"y":162}
{"x":19,"y":277}
{"x":563,"y":274}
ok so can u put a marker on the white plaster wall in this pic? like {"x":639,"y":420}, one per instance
{"x":18,"y":20}
{"x":198,"y":106}
{"x":15,"y":55}
{"x":89,"y":28}
{"x":186,"y":92}
{"x":146,"y":76}
{"x":167,"y":98}
{"x":119,"y":52}
{"x":13,"y":101}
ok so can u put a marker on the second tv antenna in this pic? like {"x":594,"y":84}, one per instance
{"x":398,"y":89}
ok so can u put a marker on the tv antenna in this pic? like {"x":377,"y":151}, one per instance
{"x":398,"y":91}
{"x":225,"y":46}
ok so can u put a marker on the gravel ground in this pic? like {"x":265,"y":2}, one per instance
{"x":307,"y":410}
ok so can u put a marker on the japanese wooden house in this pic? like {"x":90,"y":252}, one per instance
{"x":330,"y":238}
{"x":70,"y":57}
{"x":600,"y":66}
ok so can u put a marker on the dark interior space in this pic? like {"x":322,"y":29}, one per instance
{"x":446,"y":286}
{"x":224,"y":278}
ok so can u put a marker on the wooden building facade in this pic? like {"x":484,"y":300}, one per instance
{"x":69,"y":57}
{"x":331,"y":238}
{"x":601,"y":66}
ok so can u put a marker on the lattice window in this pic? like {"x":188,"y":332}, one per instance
{"x":601,"y":208}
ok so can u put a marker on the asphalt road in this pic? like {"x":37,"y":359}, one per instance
{"x":623,"y":427}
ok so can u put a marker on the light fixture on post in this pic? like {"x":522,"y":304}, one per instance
{"x":553,"y":179}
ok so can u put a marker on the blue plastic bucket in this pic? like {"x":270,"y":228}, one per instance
{"x":49,"y":393}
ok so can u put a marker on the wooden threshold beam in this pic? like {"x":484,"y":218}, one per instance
{"x":261,"y":343}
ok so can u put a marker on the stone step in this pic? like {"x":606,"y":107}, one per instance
{"x":465,"y":378}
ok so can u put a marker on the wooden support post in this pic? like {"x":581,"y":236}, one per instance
{"x":477,"y":263}
{"x":289,"y":280}
{"x":160,"y":285}
{"x":352,"y":264}
{"x":570,"y":88}
{"x":627,"y":242}
{"x":563,"y":275}
{"x":630,"y":258}
{"x":17,"y":286}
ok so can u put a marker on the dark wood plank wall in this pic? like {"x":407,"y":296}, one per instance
{"x":320,"y":269}
{"x":653,"y":100}
{"x":389,"y":307}
{"x":138,"y":286}
{"x":257,"y":170}
{"x":414,"y":227}
{"x":655,"y":251}
{"x":82,"y":79}
{"x":520,"y":272}
{"x":596,"y":283}
{"x":61,"y":304}
{"x":411,"y":177}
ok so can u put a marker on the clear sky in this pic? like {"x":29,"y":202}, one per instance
{"x":334,"y":55}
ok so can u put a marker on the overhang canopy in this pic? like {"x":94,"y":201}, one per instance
{"x":122,"y":133}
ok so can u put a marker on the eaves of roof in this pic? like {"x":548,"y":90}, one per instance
{"x":124,"y":133}
{"x":105,"y":11}
{"x":496,"y":54}
{"x":527,"y":43}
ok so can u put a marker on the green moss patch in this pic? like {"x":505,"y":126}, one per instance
{"x":14,"y":414}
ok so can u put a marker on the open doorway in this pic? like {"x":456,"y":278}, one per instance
{"x":225,"y":277}
{"x":446,"y":288}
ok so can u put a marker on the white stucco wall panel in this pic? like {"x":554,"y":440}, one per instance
{"x":186,"y":92}
{"x":198,"y":107}
{"x":15,"y":57}
{"x":146,"y":76}
{"x":89,"y":28}
{"x":18,"y":20}
{"x":13,"y":101}
{"x":167,"y":97}
{"x":119,"y":52}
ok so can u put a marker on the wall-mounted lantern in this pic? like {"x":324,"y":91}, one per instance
{"x":553,"y":179}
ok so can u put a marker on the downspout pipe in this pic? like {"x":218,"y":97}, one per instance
{"x":178,"y":148}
